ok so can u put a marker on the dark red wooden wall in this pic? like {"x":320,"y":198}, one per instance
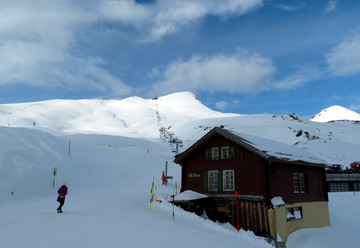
{"x":249,"y":169}
{"x":253,"y":174}
{"x":281,"y":183}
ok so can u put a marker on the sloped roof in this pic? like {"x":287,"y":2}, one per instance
{"x":265,"y":148}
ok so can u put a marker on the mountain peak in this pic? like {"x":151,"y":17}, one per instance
{"x":336,"y":113}
{"x":132,"y":117}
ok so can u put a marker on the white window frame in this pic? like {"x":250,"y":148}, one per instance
{"x":228,"y":185}
{"x":295,"y":213}
{"x":225,"y":152}
{"x":213,"y":180}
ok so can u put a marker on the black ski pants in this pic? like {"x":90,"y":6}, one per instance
{"x":61,"y":200}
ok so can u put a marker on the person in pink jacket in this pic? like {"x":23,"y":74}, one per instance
{"x":63,"y":190}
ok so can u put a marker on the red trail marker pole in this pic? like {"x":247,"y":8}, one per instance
{"x":69,"y":147}
{"x":237,"y":211}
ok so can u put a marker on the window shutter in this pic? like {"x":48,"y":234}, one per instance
{"x":307,"y":183}
{"x":220,"y":180}
{"x":232,"y":152}
{"x":208,"y":154}
{"x":206,"y":181}
{"x":296,"y":182}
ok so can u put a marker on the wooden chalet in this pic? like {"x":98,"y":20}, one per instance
{"x":280,"y":188}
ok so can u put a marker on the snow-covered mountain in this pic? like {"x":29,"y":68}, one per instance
{"x":336,"y":113}
{"x":109,"y":176}
{"x":184,"y":117}
{"x":131,"y":117}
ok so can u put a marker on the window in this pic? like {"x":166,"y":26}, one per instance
{"x":356,"y":186}
{"x":212,"y":153}
{"x":340,"y":186}
{"x":228,"y":180}
{"x":227,"y":152}
{"x":300,"y":183}
{"x":294,"y":213}
{"x":213,"y":180}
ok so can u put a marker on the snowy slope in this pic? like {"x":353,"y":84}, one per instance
{"x":109,"y":180}
{"x":109,"y":177}
{"x":336,"y":113}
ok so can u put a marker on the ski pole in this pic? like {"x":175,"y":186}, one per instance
{"x":54,"y":177}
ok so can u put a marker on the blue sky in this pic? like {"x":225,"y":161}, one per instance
{"x":241,"y":56}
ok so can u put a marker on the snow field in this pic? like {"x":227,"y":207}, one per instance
{"x":109,"y":176}
{"x":108,"y":200}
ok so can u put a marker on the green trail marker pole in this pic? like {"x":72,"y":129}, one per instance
{"x":54,"y":173}
{"x":173,"y":196}
{"x":152,"y":193}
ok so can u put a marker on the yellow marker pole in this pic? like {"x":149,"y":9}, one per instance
{"x":152,"y":193}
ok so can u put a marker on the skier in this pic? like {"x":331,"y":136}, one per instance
{"x":61,"y":198}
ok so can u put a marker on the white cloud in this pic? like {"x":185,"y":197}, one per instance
{"x":127,"y":11}
{"x":287,"y":7}
{"x":221,"y":105}
{"x":290,"y":8}
{"x":355,"y":106}
{"x":171,"y":16}
{"x":164,"y":17}
{"x":239,"y":73}
{"x":331,"y":6}
{"x":38,"y":39}
{"x":344,"y":59}
{"x":303,"y":75}
{"x":336,"y":97}
{"x":36,"y":47}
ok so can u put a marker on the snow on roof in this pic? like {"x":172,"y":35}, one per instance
{"x":277,"y":201}
{"x":189,"y":195}
{"x":279,"y":150}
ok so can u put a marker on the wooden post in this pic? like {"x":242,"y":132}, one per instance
{"x":166,"y":166}
{"x":173,"y":202}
